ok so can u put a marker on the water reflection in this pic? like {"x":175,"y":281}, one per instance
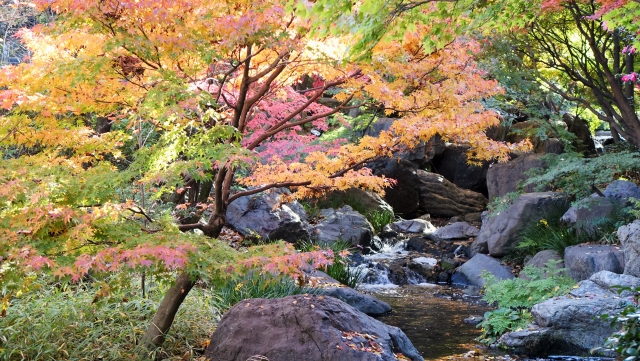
{"x":432,"y":317}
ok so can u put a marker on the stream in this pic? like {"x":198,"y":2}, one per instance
{"x":432,"y":317}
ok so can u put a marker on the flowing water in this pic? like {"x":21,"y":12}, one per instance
{"x":432,"y":316}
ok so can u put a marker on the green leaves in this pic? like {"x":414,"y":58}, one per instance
{"x":515,"y":297}
{"x":626,"y":342}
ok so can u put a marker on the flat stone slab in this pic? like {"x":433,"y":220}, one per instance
{"x":457,"y":230}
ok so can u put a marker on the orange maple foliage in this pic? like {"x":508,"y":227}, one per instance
{"x":198,"y":74}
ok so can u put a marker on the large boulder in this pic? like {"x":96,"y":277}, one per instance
{"x":452,"y":164}
{"x":305,"y":328}
{"x":629,"y":237}
{"x":584,"y":260}
{"x":403,"y":196}
{"x":457,"y":230}
{"x":622,"y":190}
{"x":503,"y":231}
{"x":572,"y":324}
{"x":503,"y":178}
{"x":369,"y":201}
{"x":441,"y":198}
{"x":588,"y":210}
{"x":344,"y":224}
{"x":262,"y":214}
{"x":469,"y":273}
{"x":542,"y":258}
{"x":361,"y":302}
{"x":578,"y":126}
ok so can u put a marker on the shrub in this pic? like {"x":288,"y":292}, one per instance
{"x":515,"y":297}
{"x":379,"y":219}
{"x":551,"y":234}
{"x":255,"y":285}
{"x":626,"y":342}
{"x":99,"y":321}
{"x":340,"y":269}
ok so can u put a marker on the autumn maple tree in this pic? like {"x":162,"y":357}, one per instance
{"x":127,"y":108}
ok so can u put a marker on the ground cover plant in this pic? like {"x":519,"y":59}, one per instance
{"x":515,"y":297}
{"x":103,"y":319}
{"x":626,"y":342}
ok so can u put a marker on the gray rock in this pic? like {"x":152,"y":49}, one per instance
{"x":502,"y":231}
{"x":441,"y":198}
{"x":578,"y":319}
{"x":590,"y":289}
{"x":469,"y":273}
{"x":622,"y":190}
{"x":361,"y":302}
{"x":453,"y":165}
{"x":478,"y":246}
{"x":608,"y":280}
{"x":456,"y":230}
{"x":587,"y":210}
{"x":571,"y":325}
{"x":629,"y":236}
{"x":503,"y":178}
{"x":541,"y":259}
{"x":263,"y":214}
{"x":424,"y":266}
{"x":413,"y":226}
{"x":344,"y":224}
{"x":584,"y":260}
{"x":311,"y":327}
{"x":369,"y":201}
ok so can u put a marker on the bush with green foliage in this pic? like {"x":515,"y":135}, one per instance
{"x":100,"y":320}
{"x":255,"y":285}
{"x":378,"y":218}
{"x":574,"y":174}
{"x":340,"y":269}
{"x":515,"y":297}
{"x":626,"y":342}
{"x":551,"y":234}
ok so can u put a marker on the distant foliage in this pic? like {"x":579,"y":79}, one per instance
{"x":573,"y":174}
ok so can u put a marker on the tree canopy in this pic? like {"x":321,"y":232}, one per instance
{"x":132,"y":120}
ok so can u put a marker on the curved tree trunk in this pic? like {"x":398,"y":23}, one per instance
{"x":154,"y":337}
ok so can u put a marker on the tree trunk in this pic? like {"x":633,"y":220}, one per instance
{"x":154,"y":337}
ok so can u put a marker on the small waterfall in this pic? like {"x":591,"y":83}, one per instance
{"x":413,"y":278}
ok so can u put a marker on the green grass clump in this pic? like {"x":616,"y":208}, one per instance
{"x":515,"y":297}
{"x":100,"y":321}
{"x":377,"y":217}
{"x":255,"y":285}
{"x":340,"y":269}
{"x":551,"y":234}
